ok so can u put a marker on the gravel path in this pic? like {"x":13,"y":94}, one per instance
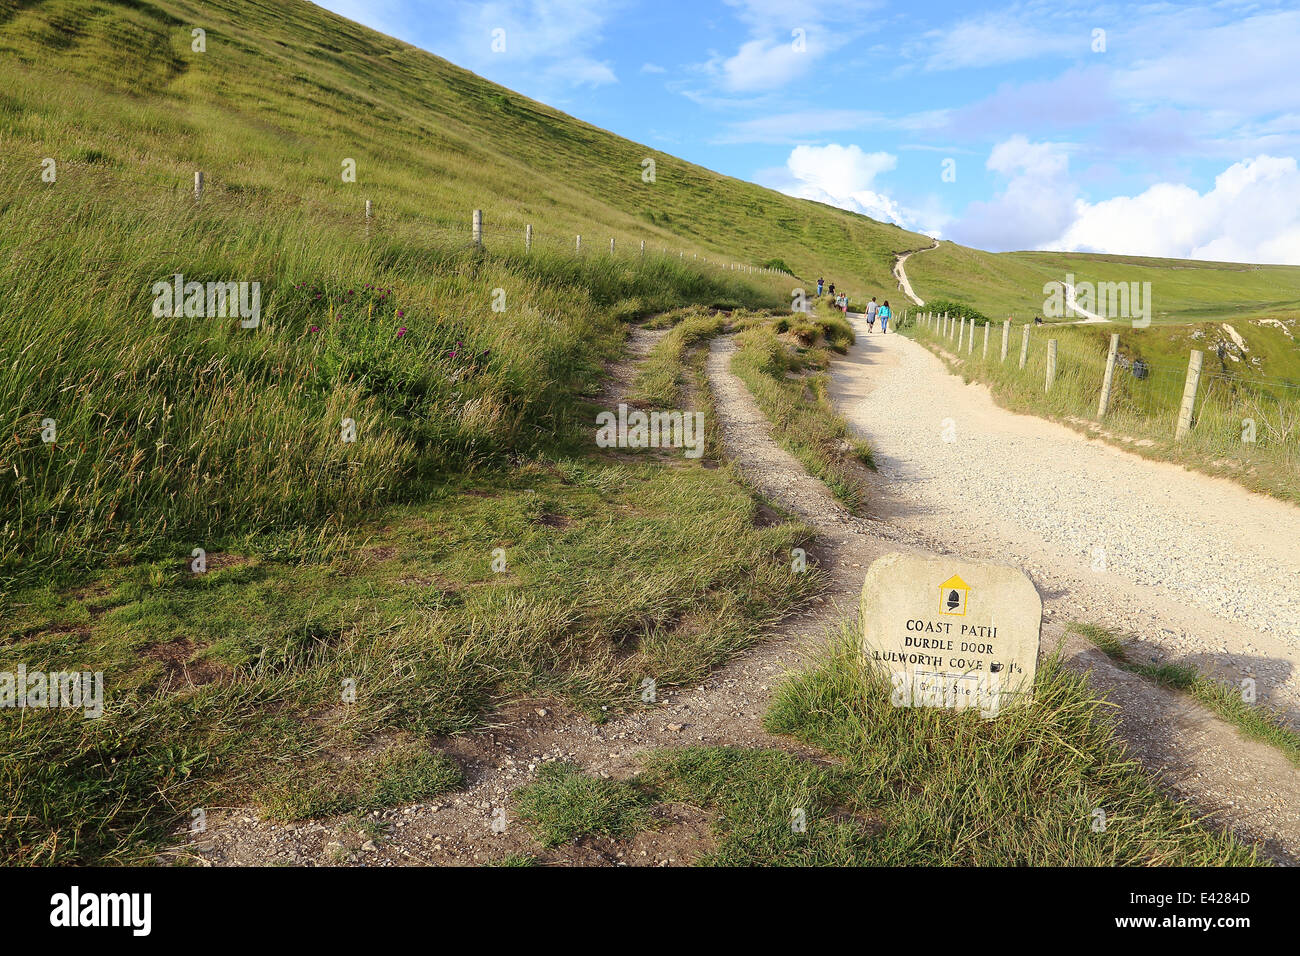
{"x":900,"y":273}
{"x":1247,"y":787}
{"x":1199,"y":567}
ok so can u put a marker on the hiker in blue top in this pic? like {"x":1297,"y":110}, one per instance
{"x":883,"y":315}
{"x":872,"y":308}
{"x":820,"y":282}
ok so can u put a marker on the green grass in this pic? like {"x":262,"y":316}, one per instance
{"x":770,"y":808}
{"x":662,"y":376}
{"x":564,"y":804}
{"x":168,"y":428}
{"x":902,"y":787}
{"x":396,"y":776}
{"x":180,"y":428}
{"x":1010,"y":284}
{"x":1253,"y":720}
{"x":937,"y":788}
{"x":227,"y":688}
{"x":787,"y":375}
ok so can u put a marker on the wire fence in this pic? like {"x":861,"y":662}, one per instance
{"x":385,"y":217}
{"x":1204,"y":409}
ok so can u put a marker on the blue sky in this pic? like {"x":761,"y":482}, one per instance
{"x":1152,"y":128}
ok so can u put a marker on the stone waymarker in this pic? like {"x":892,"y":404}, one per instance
{"x":951,"y":633}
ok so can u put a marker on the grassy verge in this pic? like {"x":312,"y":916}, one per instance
{"x":1046,"y":784}
{"x":1254,"y":721}
{"x":930,"y":787}
{"x":787,"y":375}
{"x":173,"y":427}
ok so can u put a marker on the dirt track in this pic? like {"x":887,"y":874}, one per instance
{"x":1197,"y":566}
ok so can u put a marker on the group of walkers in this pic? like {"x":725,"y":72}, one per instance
{"x":874,"y":310}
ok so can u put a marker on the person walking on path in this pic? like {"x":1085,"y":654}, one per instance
{"x":884,"y":314}
{"x":872,"y":308}
{"x":820,"y":283}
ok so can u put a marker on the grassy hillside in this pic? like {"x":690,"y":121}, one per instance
{"x":1253,"y":312}
{"x":172,"y":427}
{"x":286,"y":91}
{"x":1010,"y":284}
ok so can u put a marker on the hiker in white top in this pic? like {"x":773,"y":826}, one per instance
{"x":871,"y":315}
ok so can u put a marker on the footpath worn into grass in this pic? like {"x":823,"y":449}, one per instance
{"x":1044,"y":784}
{"x":785,"y":366}
{"x":572,"y":580}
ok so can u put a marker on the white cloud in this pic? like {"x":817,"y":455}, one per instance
{"x":1251,"y":215}
{"x":1036,"y":205}
{"x":652,"y":68}
{"x":787,"y":39}
{"x":1017,"y":157}
{"x":764,"y":65}
{"x":998,"y":38}
{"x":549,"y":45}
{"x":802,"y":125}
{"x":581,"y":71}
{"x":840,"y":176}
{"x":793,"y":127}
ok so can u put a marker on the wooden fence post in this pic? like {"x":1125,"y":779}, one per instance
{"x":643,"y":248}
{"x":961,"y":331}
{"x":478,"y":227}
{"x":528,"y":238}
{"x":1189,"y":394}
{"x":1006,"y":335}
{"x":1024,"y":346}
{"x":1103,"y":405}
{"x":1051,"y":364}
{"x":198,"y":184}
{"x":577,"y":243}
{"x":986,"y":341}
{"x":611,"y":245}
{"x":970,"y":339}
